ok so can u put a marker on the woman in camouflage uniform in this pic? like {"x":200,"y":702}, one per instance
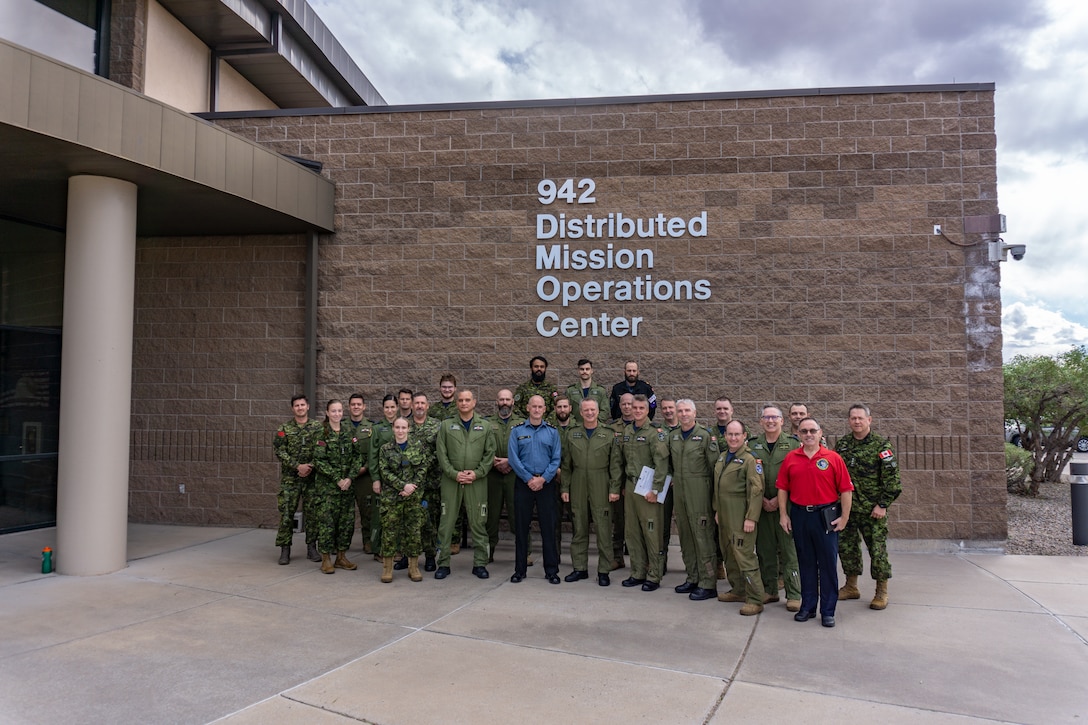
{"x":402,"y":468}
{"x":337,"y":459}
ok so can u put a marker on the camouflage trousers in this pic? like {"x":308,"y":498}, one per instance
{"x":335,"y":518}
{"x":292,"y":490}
{"x":402,"y":524}
{"x":874,"y":532}
{"x":432,"y":512}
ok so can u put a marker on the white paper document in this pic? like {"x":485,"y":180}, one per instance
{"x":645,"y":484}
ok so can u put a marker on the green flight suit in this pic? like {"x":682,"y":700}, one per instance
{"x":738,"y":496}
{"x":460,"y":449}
{"x":362,"y":485}
{"x":500,"y":486}
{"x":638,"y":447}
{"x":774,"y":546}
{"x":294,"y":445}
{"x":586,"y":478}
{"x":692,"y":462}
{"x":576,"y":393}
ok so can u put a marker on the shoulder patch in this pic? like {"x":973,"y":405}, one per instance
{"x":281,"y":434}
{"x":321,"y":443}
{"x":886,"y":454}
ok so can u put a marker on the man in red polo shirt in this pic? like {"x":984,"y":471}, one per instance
{"x":812,"y":478}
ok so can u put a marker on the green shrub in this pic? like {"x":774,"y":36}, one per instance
{"x":1018,"y":465}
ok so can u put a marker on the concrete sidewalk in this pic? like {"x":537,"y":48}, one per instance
{"x":203,"y":625}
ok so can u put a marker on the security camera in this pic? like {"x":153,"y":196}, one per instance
{"x":999,"y":251}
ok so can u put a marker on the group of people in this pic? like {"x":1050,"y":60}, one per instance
{"x":764,"y":511}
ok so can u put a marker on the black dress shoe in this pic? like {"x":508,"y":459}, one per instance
{"x":685,"y":587}
{"x":401,"y":564}
{"x":650,"y":586}
{"x":632,"y":582}
{"x":442,"y":572}
{"x":603,"y":580}
{"x":576,"y":575}
{"x":429,"y":565}
{"x":828,"y":621}
{"x":480,"y":572}
{"x":517,"y":578}
{"x":553,"y":578}
{"x":698,"y":594}
{"x":803,"y":616}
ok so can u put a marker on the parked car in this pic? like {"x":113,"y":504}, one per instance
{"x":1014,"y":435}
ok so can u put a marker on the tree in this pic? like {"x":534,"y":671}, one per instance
{"x":1047,"y":397}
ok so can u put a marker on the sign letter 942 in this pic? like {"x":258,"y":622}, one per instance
{"x":550,"y":191}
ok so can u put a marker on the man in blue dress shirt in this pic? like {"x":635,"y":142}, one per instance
{"x":534,"y":454}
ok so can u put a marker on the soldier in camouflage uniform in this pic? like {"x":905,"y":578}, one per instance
{"x":403,"y":464}
{"x":336,"y":458}
{"x":445,"y":407}
{"x":693,"y":452}
{"x":294,"y":447}
{"x":365,"y":499}
{"x":642,"y":444}
{"x":501,"y":477}
{"x":536,"y":385}
{"x":586,"y":389}
{"x":381,"y":433}
{"x":773,"y":544}
{"x":424,"y":429}
{"x":875,"y":473}
{"x":738,"y":501}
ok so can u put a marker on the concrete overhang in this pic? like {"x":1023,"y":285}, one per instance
{"x":194,"y":178}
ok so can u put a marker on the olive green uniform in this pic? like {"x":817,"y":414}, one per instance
{"x":738,"y":495}
{"x":462,"y":450}
{"x":586,"y":478}
{"x":692,"y":462}
{"x":336,"y":457}
{"x":618,"y":518}
{"x":773,"y":545}
{"x":527,"y":390}
{"x":366,"y":501}
{"x":576,"y":393}
{"x":500,"y":486}
{"x":294,"y":445}
{"x":874,"y":472}
{"x":380,"y":434}
{"x":638,"y":447}
{"x":403,"y":516}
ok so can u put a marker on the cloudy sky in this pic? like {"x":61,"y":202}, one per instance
{"x":1034,"y":50}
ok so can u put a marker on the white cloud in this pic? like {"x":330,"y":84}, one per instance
{"x":1032,"y":329}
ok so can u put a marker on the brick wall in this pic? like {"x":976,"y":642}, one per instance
{"x":828,"y":285}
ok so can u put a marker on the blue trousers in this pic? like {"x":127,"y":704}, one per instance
{"x":548,"y":514}
{"x":816,"y":559}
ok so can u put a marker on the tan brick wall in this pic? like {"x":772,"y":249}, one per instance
{"x":828,"y":286}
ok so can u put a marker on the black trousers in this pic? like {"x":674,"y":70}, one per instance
{"x":817,"y":552}
{"x":547,"y":512}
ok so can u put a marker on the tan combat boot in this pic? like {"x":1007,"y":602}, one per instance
{"x":850,"y":589}
{"x":455,"y":548}
{"x":387,"y":569}
{"x":731,"y":597}
{"x":880,"y":599}
{"x":749,"y":609}
{"x":413,"y":569}
{"x":342,"y":561}
{"x":326,"y":564}
{"x":721,"y":570}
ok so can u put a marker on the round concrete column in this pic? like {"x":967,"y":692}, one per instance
{"x":96,"y":376}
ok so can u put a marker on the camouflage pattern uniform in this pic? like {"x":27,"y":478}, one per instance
{"x":692,"y":462}
{"x":773,"y":544}
{"x":380,"y":434}
{"x":638,"y":447}
{"x":294,"y":445}
{"x":403,"y":516}
{"x":595,"y":392}
{"x":875,"y":474}
{"x":427,"y":433}
{"x":336,"y":457}
{"x":586,"y":478}
{"x":365,"y":499}
{"x":440,"y":411}
{"x":738,"y":495}
{"x":527,"y":390}
{"x":500,"y":486}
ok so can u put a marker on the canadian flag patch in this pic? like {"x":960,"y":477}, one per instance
{"x":886,"y":454}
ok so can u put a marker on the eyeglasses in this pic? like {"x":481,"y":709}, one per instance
{"x":771,"y":417}
{"x":808,"y":431}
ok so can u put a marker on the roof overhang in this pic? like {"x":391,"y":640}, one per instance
{"x":194,"y":178}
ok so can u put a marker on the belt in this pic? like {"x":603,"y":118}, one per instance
{"x":819,"y":506}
